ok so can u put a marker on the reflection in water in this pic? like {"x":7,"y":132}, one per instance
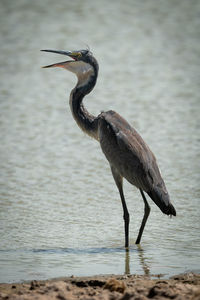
{"x":144,"y":265}
{"x":127,"y":261}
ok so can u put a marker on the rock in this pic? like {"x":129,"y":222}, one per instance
{"x":115,"y":285}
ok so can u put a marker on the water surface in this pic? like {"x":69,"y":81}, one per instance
{"x":60,"y":212}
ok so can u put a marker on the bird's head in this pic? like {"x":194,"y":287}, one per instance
{"x":83,"y":63}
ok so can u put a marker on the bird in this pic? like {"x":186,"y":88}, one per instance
{"x":127,"y":153}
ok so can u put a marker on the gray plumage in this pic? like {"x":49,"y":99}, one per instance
{"x":127,"y":153}
{"x":131,"y":157}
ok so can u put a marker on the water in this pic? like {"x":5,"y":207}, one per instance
{"x":60,"y":212}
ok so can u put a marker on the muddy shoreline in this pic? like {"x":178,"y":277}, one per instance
{"x":124,"y":287}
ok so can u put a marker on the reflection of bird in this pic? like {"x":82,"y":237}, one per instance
{"x":127,"y":153}
{"x":144,"y":265}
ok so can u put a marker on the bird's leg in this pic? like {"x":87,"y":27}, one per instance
{"x":119,"y":180}
{"x":146,"y":214}
{"x":126,"y":217}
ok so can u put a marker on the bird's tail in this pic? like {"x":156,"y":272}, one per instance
{"x":162,"y":200}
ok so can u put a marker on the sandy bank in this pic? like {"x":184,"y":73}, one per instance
{"x":123,"y":287}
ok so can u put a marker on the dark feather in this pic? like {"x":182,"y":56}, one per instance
{"x":128,"y":153}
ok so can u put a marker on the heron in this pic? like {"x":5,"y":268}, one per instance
{"x":127,"y":153}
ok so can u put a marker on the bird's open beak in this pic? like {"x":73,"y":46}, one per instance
{"x":75,"y":55}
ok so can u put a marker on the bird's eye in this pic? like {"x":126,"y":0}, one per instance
{"x":76,"y":55}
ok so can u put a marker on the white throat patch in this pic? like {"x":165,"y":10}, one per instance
{"x":82,"y":70}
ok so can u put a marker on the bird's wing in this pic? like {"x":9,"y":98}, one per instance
{"x":129,"y":154}
{"x":125,"y":150}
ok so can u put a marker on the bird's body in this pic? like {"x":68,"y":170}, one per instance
{"x":127,"y":153}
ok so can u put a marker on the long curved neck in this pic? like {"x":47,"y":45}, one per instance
{"x":86,"y":121}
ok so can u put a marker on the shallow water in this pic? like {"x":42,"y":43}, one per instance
{"x":60,"y":212}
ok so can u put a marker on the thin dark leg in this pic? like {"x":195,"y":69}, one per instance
{"x":126,"y":217}
{"x":146,"y":214}
{"x":118,"y":180}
